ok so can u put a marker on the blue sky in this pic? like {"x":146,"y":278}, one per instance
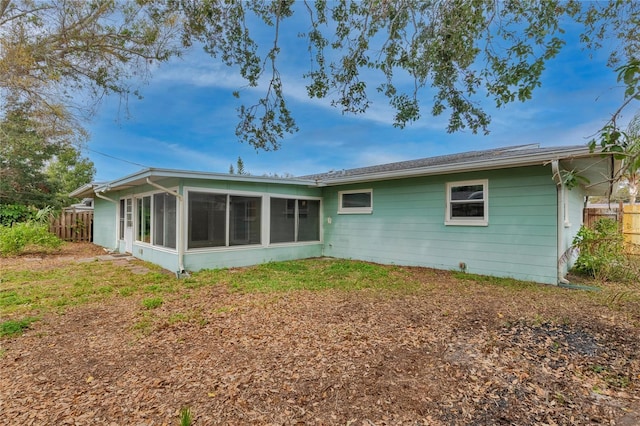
{"x":187,"y":120}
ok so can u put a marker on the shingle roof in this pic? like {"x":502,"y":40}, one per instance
{"x":462,"y":159}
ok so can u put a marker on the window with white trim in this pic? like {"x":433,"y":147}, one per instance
{"x":155,"y":220}
{"x":467,"y":203}
{"x":359,"y":201}
{"x":294,"y":220}
{"x":164,"y":220}
{"x":220,"y":220}
{"x":143,"y":233}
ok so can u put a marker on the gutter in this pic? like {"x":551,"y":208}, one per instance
{"x":467,"y":166}
{"x":180,"y":231}
{"x":561,"y":223}
{"x":104,"y":197}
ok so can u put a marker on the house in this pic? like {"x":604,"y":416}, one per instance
{"x":86,"y":205}
{"x":503,"y":212}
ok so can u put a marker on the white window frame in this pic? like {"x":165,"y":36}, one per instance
{"x":135,"y":222}
{"x":264,"y":220}
{"x":297,"y":219}
{"x":471,"y":221}
{"x":355,"y":210}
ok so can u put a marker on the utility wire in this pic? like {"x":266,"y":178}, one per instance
{"x":119,"y":159}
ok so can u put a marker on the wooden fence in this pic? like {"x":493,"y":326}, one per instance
{"x":628,"y":218}
{"x":631,"y":228}
{"x":73,"y":225}
{"x":592,"y":214}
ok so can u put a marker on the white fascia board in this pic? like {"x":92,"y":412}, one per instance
{"x":83,"y":190}
{"x":140,"y":177}
{"x":469,"y":166}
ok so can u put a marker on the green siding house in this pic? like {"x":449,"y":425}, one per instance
{"x":503,"y":212}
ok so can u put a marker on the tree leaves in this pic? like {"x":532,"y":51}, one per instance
{"x":447,"y":55}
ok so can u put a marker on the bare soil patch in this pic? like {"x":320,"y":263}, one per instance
{"x":454,"y":352}
{"x":37,"y":260}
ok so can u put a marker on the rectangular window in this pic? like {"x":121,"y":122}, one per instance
{"x":123,"y":213}
{"x":144,"y":219}
{"x":283,"y":220}
{"x":207,"y":219}
{"x":467,"y":203}
{"x":355,"y":202}
{"x":294,"y":220}
{"x":244,"y":214}
{"x":129,"y":213}
{"x":308,"y":220}
{"x":219,"y":220}
{"x":164,"y":220}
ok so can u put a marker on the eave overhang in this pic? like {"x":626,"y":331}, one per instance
{"x":140,"y":178}
{"x":524,"y":160}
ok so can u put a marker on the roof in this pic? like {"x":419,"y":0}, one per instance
{"x":154,"y":174}
{"x":498,"y":158}
{"x":513,"y":156}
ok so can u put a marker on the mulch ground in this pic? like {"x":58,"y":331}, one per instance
{"x":454,"y":353}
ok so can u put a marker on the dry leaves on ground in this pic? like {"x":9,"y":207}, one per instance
{"x":453,"y":352}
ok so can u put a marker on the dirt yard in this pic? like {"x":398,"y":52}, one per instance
{"x":454,"y":352}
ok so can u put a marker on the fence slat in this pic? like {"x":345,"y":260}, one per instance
{"x":631,"y":228}
{"x":591,"y":214}
{"x":73,"y":226}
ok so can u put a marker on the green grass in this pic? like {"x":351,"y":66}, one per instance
{"x":152,"y":303}
{"x":15,"y":327}
{"x":33,"y":292}
{"x":310,"y":274}
{"x":25,"y":291}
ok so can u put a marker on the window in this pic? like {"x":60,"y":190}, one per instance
{"x":245,"y":220}
{"x":129,"y":213}
{"x":294,"y":220}
{"x":467,"y":203}
{"x":144,"y":219}
{"x":164,"y":220}
{"x":126,"y":216}
{"x":122,"y":218}
{"x":219,"y":220}
{"x":358,"y":201}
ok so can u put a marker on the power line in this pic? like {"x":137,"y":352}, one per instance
{"x":119,"y":159}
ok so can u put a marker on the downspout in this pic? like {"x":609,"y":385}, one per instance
{"x":104,"y":197}
{"x":557,"y":177}
{"x":180,"y":229}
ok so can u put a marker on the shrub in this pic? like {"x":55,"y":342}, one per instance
{"x":15,"y":213}
{"x":601,"y":251}
{"x":15,"y":239}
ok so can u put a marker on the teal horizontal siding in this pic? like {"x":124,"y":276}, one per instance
{"x":106,"y":227}
{"x":407,"y":225}
{"x":195,"y":261}
{"x":105,"y":214}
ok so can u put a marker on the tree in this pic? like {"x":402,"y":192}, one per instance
{"x":456,"y":52}
{"x":23,"y":154}
{"x":240,"y":167}
{"x":38,"y":165}
{"x":61,"y":56}
{"x":67,"y":171}
{"x":630,"y":173}
{"x":462,"y":50}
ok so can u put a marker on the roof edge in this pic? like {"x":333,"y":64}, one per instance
{"x":528,"y":159}
{"x":184,"y":174}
